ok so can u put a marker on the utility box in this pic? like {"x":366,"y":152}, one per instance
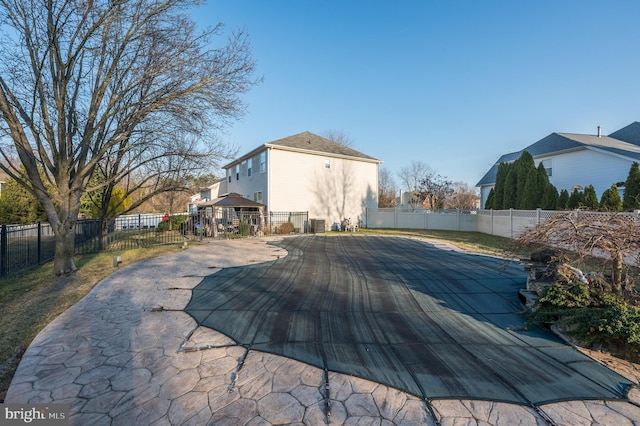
{"x":317,"y":226}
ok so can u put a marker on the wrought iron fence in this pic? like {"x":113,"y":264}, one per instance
{"x":23,"y":247}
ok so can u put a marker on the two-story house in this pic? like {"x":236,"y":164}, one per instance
{"x":577,"y":160}
{"x":306,"y":172}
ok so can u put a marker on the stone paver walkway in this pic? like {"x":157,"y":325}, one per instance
{"x":127,"y":354}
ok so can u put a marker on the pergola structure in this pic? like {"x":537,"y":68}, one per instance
{"x":226,"y":213}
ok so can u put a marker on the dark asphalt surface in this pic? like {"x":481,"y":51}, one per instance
{"x":435,"y":323}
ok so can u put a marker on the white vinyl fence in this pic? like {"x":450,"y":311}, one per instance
{"x":403,"y":218}
{"x":504,"y":223}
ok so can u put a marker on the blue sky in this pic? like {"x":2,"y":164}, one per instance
{"x":454,"y":84}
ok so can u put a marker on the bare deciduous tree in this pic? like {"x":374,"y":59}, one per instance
{"x":339,"y":137}
{"x":462,"y":197}
{"x":386,"y":188}
{"x":435,"y":190}
{"x":611,"y":234}
{"x":411,"y":178}
{"x":111,"y":84}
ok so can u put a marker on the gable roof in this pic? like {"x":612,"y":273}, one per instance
{"x":630,"y":133}
{"x":310,"y":143}
{"x":557,"y":143}
{"x":307,"y":141}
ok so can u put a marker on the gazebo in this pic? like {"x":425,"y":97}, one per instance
{"x":232,"y":213}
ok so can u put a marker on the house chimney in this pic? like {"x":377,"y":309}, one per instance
{"x":599,"y":129}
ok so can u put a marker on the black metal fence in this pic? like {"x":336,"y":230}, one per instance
{"x":23,"y":247}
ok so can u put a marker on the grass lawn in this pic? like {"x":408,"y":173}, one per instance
{"x":471,"y":241}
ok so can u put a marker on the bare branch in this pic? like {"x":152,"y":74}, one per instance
{"x":115,"y":85}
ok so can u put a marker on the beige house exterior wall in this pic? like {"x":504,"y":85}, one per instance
{"x":329,"y":187}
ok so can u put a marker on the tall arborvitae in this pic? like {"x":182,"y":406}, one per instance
{"x":531,"y":196}
{"x":590,"y":199}
{"x":510,"y":189}
{"x":524,"y":166}
{"x":563,"y":200}
{"x":611,"y":200}
{"x":576,"y":199}
{"x":543,"y":178}
{"x":550,"y":197}
{"x":490,"y":200}
{"x":631,"y":199}
{"x":501,"y":177}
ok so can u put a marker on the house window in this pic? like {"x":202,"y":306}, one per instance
{"x":249,"y":165}
{"x":257,"y":197}
{"x":229,"y":172}
{"x":547,"y":167}
{"x":263,"y":162}
{"x":327,"y":163}
{"x":237,"y":171}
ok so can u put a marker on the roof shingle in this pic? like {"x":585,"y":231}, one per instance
{"x":308,"y":141}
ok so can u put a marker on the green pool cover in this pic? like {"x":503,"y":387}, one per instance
{"x":433,"y":322}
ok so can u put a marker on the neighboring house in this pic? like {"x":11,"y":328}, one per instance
{"x":208,"y":193}
{"x":306,"y":172}
{"x":576,"y":160}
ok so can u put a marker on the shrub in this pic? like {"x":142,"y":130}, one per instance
{"x":590,"y":315}
{"x":243,"y":229}
{"x":176,"y":221}
{"x":285,"y":228}
{"x":620,"y":322}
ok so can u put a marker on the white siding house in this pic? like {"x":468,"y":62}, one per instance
{"x":577,"y":160}
{"x":211,"y":192}
{"x":306,"y":172}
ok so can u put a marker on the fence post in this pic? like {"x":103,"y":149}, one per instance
{"x":538,"y":215}
{"x":39,"y":249}
{"x":511,"y":221}
{"x":3,"y":252}
{"x":395,"y":218}
{"x":492,"y":222}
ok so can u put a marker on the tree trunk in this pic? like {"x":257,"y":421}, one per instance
{"x":616,"y":273}
{"x":103,"y":240}
{"x":63,"y":262}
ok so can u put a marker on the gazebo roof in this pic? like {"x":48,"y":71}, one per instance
{"x":232,"y":200}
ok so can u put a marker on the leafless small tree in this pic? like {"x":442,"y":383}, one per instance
{"x":386,"y":188}
{"x":435,"y":190}
{"x":462,"y":197}
{"x":411,"y":178}
{"x":339,"y":137}
{"x":110,"y":84}
{"x":613,"y":235}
